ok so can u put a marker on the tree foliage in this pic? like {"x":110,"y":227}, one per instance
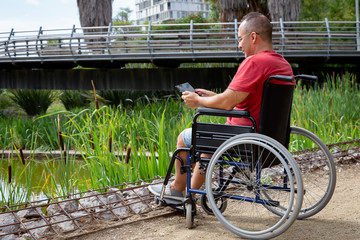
{"x":214,"y":13}
{"x":334,"y":10}
{"x":288,"y":10}
{"x":123,"y":17}
{"x":195,"y":17}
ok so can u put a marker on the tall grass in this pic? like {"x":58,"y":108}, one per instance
{"x":330,"y":110}
{"x":147,"y":132}
{"x":19,"y":185}
{"x":34,"y":134}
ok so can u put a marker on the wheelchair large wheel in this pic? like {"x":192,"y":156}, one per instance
{"x":236,"y":173}
{"x":317,"y":168}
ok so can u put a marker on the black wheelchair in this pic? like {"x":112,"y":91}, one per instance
{"x":252,"y":175}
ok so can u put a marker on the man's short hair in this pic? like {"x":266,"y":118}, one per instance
{"x":259,"y":23}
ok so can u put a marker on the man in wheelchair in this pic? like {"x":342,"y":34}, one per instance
{"x":243,"y":93}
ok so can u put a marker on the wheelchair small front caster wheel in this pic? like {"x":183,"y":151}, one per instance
{"x":221,"y":203}
{"x":189,"y":215}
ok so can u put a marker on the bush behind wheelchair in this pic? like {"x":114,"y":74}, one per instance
{"x":254,"y":185}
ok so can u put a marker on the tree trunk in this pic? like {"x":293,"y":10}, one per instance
{"x":288,"y":10}
{"x":232,"y":9}
{"x":95,"y":13}
{"x":237,"y":9}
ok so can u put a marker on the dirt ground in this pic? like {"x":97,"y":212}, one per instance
{"x":340,"y":219}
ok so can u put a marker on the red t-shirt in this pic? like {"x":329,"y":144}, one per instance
{"x":250,"y":78}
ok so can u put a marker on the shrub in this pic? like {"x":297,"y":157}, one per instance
{"x":127,"y":98}
{"x":72,"y":99}
{"x":4,"y":99}
{"x":33,"y":102}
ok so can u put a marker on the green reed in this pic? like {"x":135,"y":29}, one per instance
{"x":127,"y":144}
{"x":27,"y":129}
{"x":147,"y":136}
{"x":330,"y":110}
{"x":18,"y":185}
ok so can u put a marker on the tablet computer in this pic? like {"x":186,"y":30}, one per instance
{"x":185,"y":87}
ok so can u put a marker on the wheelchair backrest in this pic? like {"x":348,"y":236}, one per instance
{"x":276,"y":108}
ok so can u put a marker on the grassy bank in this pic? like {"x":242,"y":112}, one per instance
{"x":331,"y":110}
{"x":142,"y":133}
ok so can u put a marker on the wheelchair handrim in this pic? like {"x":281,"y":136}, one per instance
{"x":255,"y":139}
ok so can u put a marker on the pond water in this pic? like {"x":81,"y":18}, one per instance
{"x":38,"y":179}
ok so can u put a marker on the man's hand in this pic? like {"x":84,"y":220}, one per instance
{"x":191,"y":99}
{"x":204,"y":92}
{"x":204,"y":98}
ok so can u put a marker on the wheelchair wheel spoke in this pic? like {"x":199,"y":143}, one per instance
{"x":249,"y":190}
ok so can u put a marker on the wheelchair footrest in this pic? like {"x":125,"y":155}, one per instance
{"x":166,"y":202}
{"x":178,"y":206}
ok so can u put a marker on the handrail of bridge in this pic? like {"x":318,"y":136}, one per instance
{"x":174,"y":41}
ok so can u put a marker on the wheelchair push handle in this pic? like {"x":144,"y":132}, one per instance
{"x":281,"y":78}
{"x":291,"y":79}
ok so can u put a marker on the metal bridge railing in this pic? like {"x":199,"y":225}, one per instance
{"x":320,"y":36}
{"x":174,"y":41}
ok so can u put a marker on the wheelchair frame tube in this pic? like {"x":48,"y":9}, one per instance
{"x":171,"y":166}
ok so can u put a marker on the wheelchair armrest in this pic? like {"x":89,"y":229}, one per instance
{"x":223,"y":113}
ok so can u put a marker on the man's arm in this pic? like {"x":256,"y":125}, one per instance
{"x":226,"y":100}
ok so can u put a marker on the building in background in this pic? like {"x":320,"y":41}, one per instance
{"x":160,"y":10}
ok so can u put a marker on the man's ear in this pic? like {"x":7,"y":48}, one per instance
{"x":252,"y":36}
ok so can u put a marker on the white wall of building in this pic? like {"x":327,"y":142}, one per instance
{"x":160,"y":10}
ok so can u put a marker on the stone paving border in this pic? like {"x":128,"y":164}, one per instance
{"x":80,"y":213}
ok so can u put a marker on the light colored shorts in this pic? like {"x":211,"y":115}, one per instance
{"x":186,"y":134}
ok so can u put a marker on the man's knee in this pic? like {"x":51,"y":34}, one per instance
{"x":184,"y":138}
{"x":180,"y":141}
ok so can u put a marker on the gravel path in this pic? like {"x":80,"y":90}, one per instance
{"x":340,"y":219}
